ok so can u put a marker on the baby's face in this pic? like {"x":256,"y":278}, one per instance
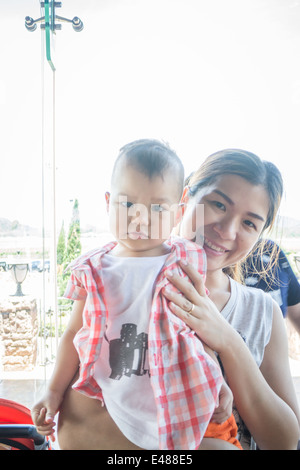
{"x":142,"y":211}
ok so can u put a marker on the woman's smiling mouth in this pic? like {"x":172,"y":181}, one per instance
{"x":216,"y":249}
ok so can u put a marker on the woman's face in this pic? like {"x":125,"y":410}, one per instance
{"x":235,"y":212}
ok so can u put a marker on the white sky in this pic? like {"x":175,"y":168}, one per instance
{"x":202,"y":75}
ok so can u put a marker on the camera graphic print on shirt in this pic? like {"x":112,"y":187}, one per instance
{"x":128,"y":354}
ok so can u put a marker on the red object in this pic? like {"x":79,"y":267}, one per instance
{"x":12,"y":413}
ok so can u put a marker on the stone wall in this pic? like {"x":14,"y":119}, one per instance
{"x":18,"y":333}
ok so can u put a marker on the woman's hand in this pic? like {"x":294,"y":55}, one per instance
{"x":196,"y":309}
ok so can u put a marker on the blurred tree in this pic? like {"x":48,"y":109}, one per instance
{"x":61,"y":245}
{"x":73,"y":248}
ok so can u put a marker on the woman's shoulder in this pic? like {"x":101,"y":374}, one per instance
{"x":249,"y":306}
{"x":250,"y":294}
{"x":250,"y":312}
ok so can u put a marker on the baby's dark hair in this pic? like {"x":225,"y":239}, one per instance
{"x":152,"y":158}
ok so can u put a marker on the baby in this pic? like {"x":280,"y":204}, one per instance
{"x":160,"y":385}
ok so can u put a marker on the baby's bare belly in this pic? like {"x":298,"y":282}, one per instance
{"x":84,"y":424}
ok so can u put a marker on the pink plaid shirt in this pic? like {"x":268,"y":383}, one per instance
{"x":185,"y":379}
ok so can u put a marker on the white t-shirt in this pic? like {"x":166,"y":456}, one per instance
{"x":122,"y":370}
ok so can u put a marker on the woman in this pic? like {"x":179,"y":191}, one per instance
{"x":240,"y":195}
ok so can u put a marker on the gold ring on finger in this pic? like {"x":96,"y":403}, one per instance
{"x":191,"y":309}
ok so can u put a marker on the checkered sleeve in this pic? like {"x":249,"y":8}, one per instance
{"x":75,"y":289}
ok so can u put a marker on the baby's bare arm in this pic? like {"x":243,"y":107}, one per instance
{"x":66,"y":365}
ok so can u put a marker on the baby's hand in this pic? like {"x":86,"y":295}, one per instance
{"x":44,"y":423}
{"x":224,"y":410}
{"x":43,"y":414}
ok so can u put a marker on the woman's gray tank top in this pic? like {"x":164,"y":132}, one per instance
{"x":250,"y":312}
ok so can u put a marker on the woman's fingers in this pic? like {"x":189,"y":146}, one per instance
{"x":182,"y":308}
{"x":179,"y":300}
{"x":196,"y":278}
{"x":188,"y":296}
{"x":189,"y":319}
{"x":192,"y":292}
